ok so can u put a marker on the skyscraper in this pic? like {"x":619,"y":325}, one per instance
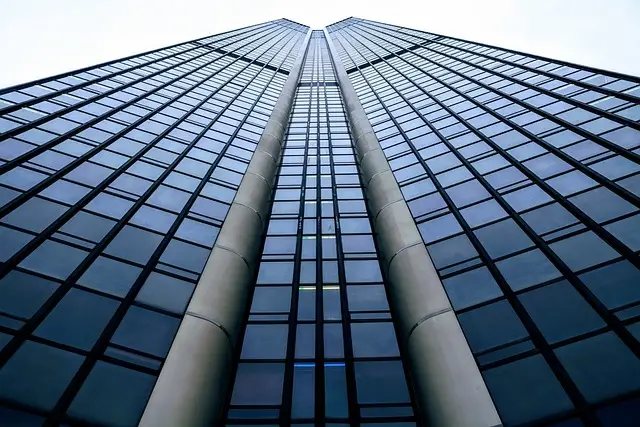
{"x":365,"y":225}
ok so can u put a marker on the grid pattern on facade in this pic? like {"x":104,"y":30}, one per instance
{"x":114,"y":182}
{"x":523,"y":176}
{"x":319,"y":339}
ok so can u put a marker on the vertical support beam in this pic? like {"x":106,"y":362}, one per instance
{"x":449,"y":388}
{"x":193,"y":384}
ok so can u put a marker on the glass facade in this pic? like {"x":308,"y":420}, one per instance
{"x":319,"y":339}
{"x":114,"y":183}
{"x":522,"y":175}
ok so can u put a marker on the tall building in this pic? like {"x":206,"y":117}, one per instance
{"x":367,"y":225}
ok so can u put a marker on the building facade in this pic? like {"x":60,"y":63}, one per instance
{"x":366,"y":225}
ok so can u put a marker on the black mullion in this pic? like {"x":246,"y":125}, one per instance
{"x":529,"y":55}
{"x":617,"y":189}
{"x":614,"y":242}
{"x":30,"y":326}
{"x":352,"y":392}
{"x":31,"y":245}
{"x":611,"y":320}
{"x":320,"y":414}
{"x":54,"y":94}
{"x":287,"y":394}
{"x":604,"y":91}
{"x":72,"y":165}
{"x":98,"y":348}
{"x":536,"y":336}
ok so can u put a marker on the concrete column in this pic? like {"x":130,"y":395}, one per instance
{"x":193,"y":385}
{"x":449,"y":388}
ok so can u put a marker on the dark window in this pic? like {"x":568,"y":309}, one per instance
{"x":22,"y":294}
{"x":491,"y":326}
{"x":526,"y":390}
{"x":381,"y":382}
{"x":472,"y":287}
{"x":560,"y":312}
{"x":590,"y":364}
{"x":78,"y":319}
{"x":166,"y":293}
{"x":37,"y":375}
{"x":112,"y":395}
{"x":146,"y":331}
{"x":270,"y":376}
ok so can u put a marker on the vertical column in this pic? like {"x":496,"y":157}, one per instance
{"x":192,"y":387}
{"x":449,"y":388}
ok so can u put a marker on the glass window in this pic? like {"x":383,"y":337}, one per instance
{"x":198,"y":232}
{"x":560,"y":312}
{"x":169,"y":198}
{"x":491,"y":326}
{"x":362,"y":271}
{"x":467,"y":193}
{"x":265,"y":342}
{"x":153,"y":218}
{"x":503,"y":238}
{"x":483,"y":213}
{"x":589,"y":364}
{"x":335,"y":391}
{"x":451,"y":251}
{"x":185,"y":255}
{"x":134,"y":244}
{"x":271,"y":299}
{"x":54,"y":259}
{"x":526,"y":198}
{"x":333,"y":341}
{"x":111,"y":206}
{"x":549,"y":218}
{"x":275,"y":272}
{"x":381,"y":382}
{"x":78,"y":319}
{"x":439,"y":228}
{"x":65,"y":191}
{"x":367,"y":298}
{"x":88,"y":226}
{"x":355,"y":225}
{"x":602,"y":205}
{"x":526,"y":390}
{"x":110,"y":276}
{"x":374,"y":340}
{"x":166,"y":293}
{"x":615,"y":284}
{"x":583,"y":250}
{"x":627,"y":231}
{"x":146,"y":331}
{"x":470,"y":288}
{"x":427,"y":204}
{"x":37,"y":375}
{"x":623,"y":414}
{"x":270,"y":376}
{"x":12,"y":242}
{"x":112,"y":395}
{"x":22,"y":294}
{"x":571,"y":183}
{"x":527,"y":269}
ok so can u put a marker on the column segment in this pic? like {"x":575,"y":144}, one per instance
{"x":193,"y":385}
{"x":449,"y":388}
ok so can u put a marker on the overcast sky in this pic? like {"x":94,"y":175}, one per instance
{"x":39,"y":38}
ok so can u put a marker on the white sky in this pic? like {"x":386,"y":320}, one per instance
{"x":39,"y":38}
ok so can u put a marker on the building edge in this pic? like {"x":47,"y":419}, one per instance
{"x":449,"y":389}
{"x":192,"y":387}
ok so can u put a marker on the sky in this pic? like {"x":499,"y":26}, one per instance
{"x":40,"y":38}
